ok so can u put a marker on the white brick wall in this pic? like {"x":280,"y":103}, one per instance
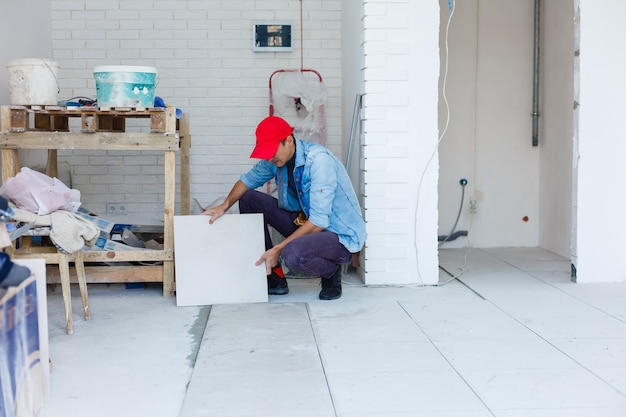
{"x":399,"y":135}
{"x":203,"y":51}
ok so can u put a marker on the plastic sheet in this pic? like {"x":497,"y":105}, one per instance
{"x":300,"y":93}
{"x":38,"y":193}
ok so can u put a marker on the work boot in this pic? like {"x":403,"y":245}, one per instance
{"x":276,"y":282}
{"x":331,"y":287}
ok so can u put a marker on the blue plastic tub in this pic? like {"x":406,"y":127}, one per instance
{"x":125,"y":86}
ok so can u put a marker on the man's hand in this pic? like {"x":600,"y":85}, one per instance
{"x":270,"y":257}
{"x":215,"y":213}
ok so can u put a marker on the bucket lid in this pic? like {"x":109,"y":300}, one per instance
{"x":31,"y":61}
{"x":124,"y":68}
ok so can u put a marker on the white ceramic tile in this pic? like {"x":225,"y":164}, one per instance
{"x":215,"y":262}
{"x":335,"y":331}
{"x":429,"y":413}
{"x":135,"y":349}
{"x":259,"y":312}
{"x":564,"y":412}
{"x":469,"y":306}
{"x":259,"y":334}
{"x":576,"y":327}
{"x":242,"y":395}
{"x":546,"y":302}
{"x":371,"y":310}
{"x":401,"y":393}
{"x":496,"y":327}
{"x":382,"y":357}
{"x":222,"y":360}
{"x":543,"y":388}
{"x":532,"y":353}
{"x":616,"y":377}
{"x":595,"y":353}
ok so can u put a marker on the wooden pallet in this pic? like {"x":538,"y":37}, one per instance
{"x":93,"y":119}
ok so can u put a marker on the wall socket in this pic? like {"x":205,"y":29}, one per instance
{"x":116,"y":209}
{"x":473,"y":205}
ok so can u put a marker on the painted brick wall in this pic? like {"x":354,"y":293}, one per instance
{"x":399,"y":135}
{"x":203,"y":52}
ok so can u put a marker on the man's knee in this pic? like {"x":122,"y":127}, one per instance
{"x":246,"y":202}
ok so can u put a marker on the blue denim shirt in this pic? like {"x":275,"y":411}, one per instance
{"x":325,"y":193}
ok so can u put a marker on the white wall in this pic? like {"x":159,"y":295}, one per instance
{"x":600,"y":146}
{"x":488,"y":140}
{"x":25,"y":29}
{"x":556,"y":125}
{"x":203,"y":52}
{"x":400,"y":140}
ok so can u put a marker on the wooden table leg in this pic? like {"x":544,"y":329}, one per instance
{"x":168,"y":226}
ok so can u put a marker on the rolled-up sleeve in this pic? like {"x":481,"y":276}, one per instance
{"x":258,"y":175}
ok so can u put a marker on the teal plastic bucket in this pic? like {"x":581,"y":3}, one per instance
{"x":125,"y":86}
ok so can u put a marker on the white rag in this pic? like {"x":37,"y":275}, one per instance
{"x":68,"y":232}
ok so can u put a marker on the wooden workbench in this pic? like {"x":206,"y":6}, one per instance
{"x":31,"y":127}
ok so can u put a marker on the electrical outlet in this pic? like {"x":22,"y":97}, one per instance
{"x":473,"y":205}
{"x":116,"y":209}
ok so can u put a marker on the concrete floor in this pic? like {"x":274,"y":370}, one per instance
{"x":512,"y":337}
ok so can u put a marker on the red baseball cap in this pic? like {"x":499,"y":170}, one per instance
{"x":269,"y":133}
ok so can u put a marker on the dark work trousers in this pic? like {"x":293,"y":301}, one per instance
{"x":318,"y":254}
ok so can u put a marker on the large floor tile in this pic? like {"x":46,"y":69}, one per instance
{"x":470,"y":306}
{"x":382,"y":357}
{"x":616,"y":377}
{"x":594,"y":353}
{"x":532,"y":353}
{"x":583,"y":327}
{"x":283,"y":359}
{"x":344,"y":330}
{"x":362,"y":393}
{"x":258,"y":334}
{"x":284,"y":312}
{"x":497,"y":327}
{"x":543,"y":388}
{"x":242,"y":395}
{"x":563,"y":412}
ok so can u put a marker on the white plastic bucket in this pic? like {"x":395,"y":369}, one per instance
{"x":33,"y":82}
{"x":125,"y":86}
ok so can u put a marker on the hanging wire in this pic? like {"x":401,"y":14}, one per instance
{"x":301,"y":39}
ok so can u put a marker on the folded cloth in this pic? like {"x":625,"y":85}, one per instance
{"x":11,"y":274}
{"x":68,"y":232}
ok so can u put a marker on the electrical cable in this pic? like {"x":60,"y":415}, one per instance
{"x":458,"y":216}
{"x":301,"y":39}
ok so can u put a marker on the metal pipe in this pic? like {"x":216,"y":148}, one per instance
{"x":535,"y":112}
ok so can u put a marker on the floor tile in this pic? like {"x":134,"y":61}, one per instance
{"x":476,"y":355}
{"x":285,"y":312}
{"x":543,"y":388}
{"x":616,"y":377}
{"x":496,"y":327}
{"x":337,"y":331}
{"x":563,"y":412}
{"x":258,"y":334}
{"x":358,"y":393}
{"x":283,"y":359}
{"x":243,"y":395}
{"x":382,"y":357}
{"x":576,"y":327}
{"x":594,"y":353}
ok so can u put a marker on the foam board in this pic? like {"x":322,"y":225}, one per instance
{"x":215,"y":262}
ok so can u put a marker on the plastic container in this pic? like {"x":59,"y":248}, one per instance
{"x":125,"y":86}
{"x":33,"y":82}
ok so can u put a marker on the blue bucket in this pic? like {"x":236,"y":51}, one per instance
{"x":125,"y":86}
